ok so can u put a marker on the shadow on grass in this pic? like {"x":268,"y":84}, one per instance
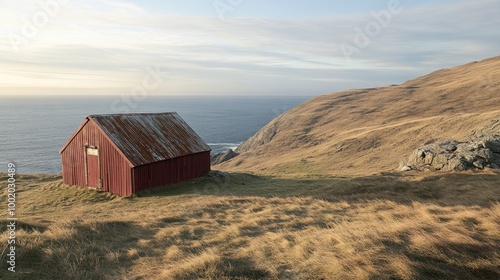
{"x":429,"y":266}
{"x":455,"y":260}
{"x":109,"y":250}
{"x":443,"y":189}
{"x":27,"y":227}
{"x":90,"y":252}
{"x":239,"y":268}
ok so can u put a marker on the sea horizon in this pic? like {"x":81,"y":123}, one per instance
{"x":222,"y":121}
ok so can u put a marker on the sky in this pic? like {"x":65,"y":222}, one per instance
{"x":235,"y":47}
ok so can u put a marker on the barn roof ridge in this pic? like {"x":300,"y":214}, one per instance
{"x":130,"y":114}
{"x":144,"y":138}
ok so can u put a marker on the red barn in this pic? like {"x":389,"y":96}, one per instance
{"x":127,"y":153}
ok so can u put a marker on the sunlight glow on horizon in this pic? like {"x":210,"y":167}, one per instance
{"x":99,"y":46}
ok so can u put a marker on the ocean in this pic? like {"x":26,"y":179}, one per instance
{"x":33,"y":129}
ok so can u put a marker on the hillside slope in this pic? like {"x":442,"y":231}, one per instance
{"x":365,"y":131}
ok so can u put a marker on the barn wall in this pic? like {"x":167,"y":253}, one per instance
{"x":115,"y":170}
{"x":171,"y":171}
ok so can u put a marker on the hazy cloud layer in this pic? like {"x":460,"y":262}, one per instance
{"x":96,"y":45}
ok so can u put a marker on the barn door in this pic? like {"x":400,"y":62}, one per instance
{"x":93,"y":174}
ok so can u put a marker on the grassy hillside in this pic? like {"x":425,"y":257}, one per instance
{"x":244,"y":226}
{"x":366,"y":131}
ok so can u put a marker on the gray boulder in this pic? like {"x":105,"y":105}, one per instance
{"x":493,"y":145}
{"x":454,"y":155}
{"x":480,"y":150}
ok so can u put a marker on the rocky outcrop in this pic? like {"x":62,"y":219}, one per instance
{"x":222,"y":157}
{"x":262,"y":137}
{"x":481,"y":150}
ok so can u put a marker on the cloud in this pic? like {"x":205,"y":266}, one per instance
{"x":109,"y":44}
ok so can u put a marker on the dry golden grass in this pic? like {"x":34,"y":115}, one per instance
{"x":243,"y":226}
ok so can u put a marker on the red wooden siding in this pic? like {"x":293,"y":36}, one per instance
{"x":171,"y":171}
{"x":124,"y":154}
{"x":114,"y":168}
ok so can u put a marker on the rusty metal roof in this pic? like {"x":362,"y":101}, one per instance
{"x":148,"y":138}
